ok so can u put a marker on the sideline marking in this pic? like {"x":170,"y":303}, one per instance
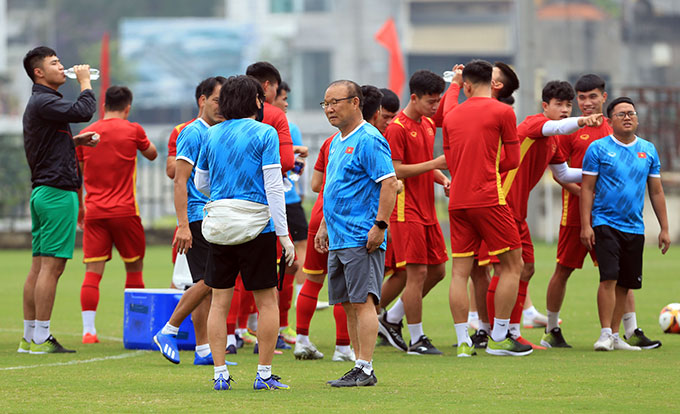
{"x":108,"y":338}
{"x":76,"y":362}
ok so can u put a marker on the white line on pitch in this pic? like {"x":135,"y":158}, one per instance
{"x":108,"y":338}
{"x":75,"y":362}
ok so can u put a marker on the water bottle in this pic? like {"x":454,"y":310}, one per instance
{"x":287,"y":185}
{"x":448,"y":76}
{"x":71,"y":74}
{"x":294,"y":175}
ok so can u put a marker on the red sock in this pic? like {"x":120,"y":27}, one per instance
{"x":516,"y":315}
{"x":285,"y":299}
{"x":232,"y":316}
{"x":89,"y":291}
{"x":306,"y":305}
{"x":341,"y":332}
{"x":490,"y":297}
{"x":134,"y":280}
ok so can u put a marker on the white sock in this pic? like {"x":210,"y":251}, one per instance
{"x":169,"y":329}
{"x":530,"y":312}
{"x":500,"y":329}
{"x":366,"y":366}
{"x":484,"y":326}
{"x":629,"y":323}
{"x":462,"y":333}
{"x":231,"y":340}
{"x":605,"y":332}
{"x":203,"y":350}
{"x":88,"y":322}
{"x":302,"y":339}
{"x":473,"y":316}
{"x":514,"y":330}
{"x":222,"y":369}
{"x":265,"y":371}
{"x":41,"y":332}
{"x":396,"y":313}
{"x":553,"y":320}
{"x":298,"y":287}
{"x":345,"y":349}
{"x":240,"y":332}
{"x":29,"y":327}
{"x":252,"y":322}
{"x":416,"y":331}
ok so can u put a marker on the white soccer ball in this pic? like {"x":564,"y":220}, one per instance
{"x":669,"y":318}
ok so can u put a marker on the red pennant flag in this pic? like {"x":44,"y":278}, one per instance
{"x":388,"y":38}
{"x":104,"y":80}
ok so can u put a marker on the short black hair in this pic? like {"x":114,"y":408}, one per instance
{"x":208,"y":85}
{"x":198,"y":93}
{"x":34,"y":58}
{"x":508,"y":100}
{"x":589,"y":82}
{"x":478,"y":71}
{"x":426,"y":82}
{"x":390,"y":100}
{"x":372,"y":99}
{"x":621,"y":99}
{"x":560,"y":90}
{"x":353,"y":89}
{"x":237,"y":97}
{"x":510,"y":80}
{"x":264,"y":71}
{"x":283,"y":86}
{"x":117,"y":98}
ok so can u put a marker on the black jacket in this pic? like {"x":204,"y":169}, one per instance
{"x":48,"y":141}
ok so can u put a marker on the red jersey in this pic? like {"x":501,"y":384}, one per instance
{"x":172,"y":141}
{"x":277,"y":118}
{"x":321,"y":163}
{"x":574,"y":147}
{"x":446,"y":105}
{"x":536,"y":153}
{"x":110,"y":168}
{"x":473,"y":134}
{"x":412,"y":142}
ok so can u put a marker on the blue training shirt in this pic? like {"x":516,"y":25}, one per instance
{"x":234,"y":153}
{"x":292,"y":195}
{"x":622,"y":171}
{"x":189,"y":143}
{"x":356,"y":165}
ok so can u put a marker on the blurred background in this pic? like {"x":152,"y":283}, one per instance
{"x":161,"y":49}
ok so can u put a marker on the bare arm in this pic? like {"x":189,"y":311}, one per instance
{"x":182,"y":240}
{"x":411,"y":170}
{"x":658,"y":199}
{"x":587,"y":196}
{"x":170,"y":167}
{"x":443,"y":180}
{"x":388,"y":195}
{"x":317,"y":181}
{"x":150,"y":153}
{"x":573,"y":189}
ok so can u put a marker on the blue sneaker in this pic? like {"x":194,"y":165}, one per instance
{"x":221,"y":384}
{"x":206,"y":360}
{"x":281,"y":343}
{"x":271,"y":383}
{"x":168,"y":346}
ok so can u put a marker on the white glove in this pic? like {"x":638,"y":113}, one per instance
{"x":289,"y":247}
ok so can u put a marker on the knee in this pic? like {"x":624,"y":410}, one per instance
{"x":528,"y":271}
{"x":316,"y":278}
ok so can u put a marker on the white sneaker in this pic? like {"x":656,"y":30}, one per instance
{"x":604,"y":344}
{"x":322,"y":305}
{"x":341,"y":356}
{"x":622,"y":345}
{"x":306,"y":351}
{"x":539,"y":320}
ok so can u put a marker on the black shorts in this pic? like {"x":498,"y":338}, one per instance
{"x":619,"y":256}
{"x":255,"y":260}
{"x":197,"y":256}
{"x":297,"y":222}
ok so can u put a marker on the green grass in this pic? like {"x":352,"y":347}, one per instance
{"x":572,"y":380}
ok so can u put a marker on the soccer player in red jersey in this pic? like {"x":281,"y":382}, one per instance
{"x":474,"y":134}
{"x":538,"y":150}
{"x":111,"y":213}
{"x":416,"y":237}
{"x":590,"y":96}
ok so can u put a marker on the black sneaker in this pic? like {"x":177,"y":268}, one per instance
{"x":639,"y":339}
{"x":392,"y":332}
{"x":423,"y":347}
{"x":480,"y":339}
{"x":554,"y":339}
{"x":356,"y":377}
{"x":50,"y":346}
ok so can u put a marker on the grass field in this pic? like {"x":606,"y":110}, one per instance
{"x":105,"y":377}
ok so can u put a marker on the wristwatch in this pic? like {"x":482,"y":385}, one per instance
{"x":382,"y":225}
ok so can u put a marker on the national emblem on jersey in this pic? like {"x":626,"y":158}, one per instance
{"x":642,"y":155}
{"x":414,"y":134}
{"x":585,"y":137}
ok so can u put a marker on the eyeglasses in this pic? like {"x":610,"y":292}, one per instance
{"x":334,"y":102}
{"x":629,"y":114}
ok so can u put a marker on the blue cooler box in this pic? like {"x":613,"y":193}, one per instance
{"x":146,"y":312}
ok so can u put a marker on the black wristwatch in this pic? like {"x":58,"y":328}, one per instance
{"x":382,"y":225}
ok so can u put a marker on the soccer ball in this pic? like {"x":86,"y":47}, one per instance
{"x":669,"y":319}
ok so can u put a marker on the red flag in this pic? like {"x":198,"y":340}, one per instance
{"x":104,"y":80}
{"x":388,"y":38}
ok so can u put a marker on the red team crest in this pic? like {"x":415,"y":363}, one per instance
{"x":349,"y":150}
{"x":585,"y":137}
{"x":642,"y":155}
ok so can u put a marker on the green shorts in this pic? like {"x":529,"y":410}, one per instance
{"x":54,"y":214}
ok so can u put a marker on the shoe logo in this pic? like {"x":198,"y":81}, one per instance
{"x":421,"y":349}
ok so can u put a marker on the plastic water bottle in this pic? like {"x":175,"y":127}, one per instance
{"x":294,"y":175}
{"x":71,"y":74}
{"x":448,"y":76}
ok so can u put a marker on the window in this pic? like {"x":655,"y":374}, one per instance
{"x":316,"y":75}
